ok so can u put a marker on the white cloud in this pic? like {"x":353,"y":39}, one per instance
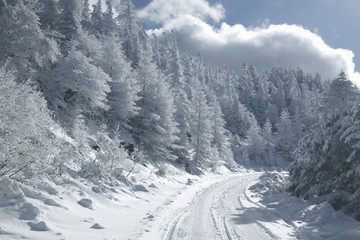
{"x":160,"y":11}
{"x":268,"y":45}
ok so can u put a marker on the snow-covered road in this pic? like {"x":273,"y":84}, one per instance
{"x":221,"y":211}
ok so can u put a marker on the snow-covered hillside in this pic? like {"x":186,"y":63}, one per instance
{"x":108,"y":133}
{"x":217,"y":206}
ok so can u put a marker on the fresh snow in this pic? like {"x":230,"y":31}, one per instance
{"x":228,"y":206}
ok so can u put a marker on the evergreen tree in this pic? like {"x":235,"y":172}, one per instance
{"x":202,"y":133}
{"x":255,"y":143}
{"x":81,"y":87}
{"x":336,"y":100}
{"x":154,"y":127}
{"x":130,"y":31}
{"x":27,"y":49}
{"x":221,"y":140}
{"x":86,"y":18}
{"x":175,"y":76}
{"x":325,"y":166}
{"x":285,"y":137}
{"x":109,"y":25}
{"x":48,"y":13}
{"x":69,"y":23}
{"x":269,"y":146}
{"x":349,"y":178}
{"x":97,"y":18}
{"x":124,"y":86}
{"x":240,"y":152}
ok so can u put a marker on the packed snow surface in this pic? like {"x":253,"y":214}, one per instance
{"x":245,"y":205}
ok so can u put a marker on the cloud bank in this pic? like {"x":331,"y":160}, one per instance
{"x":161,"y":11}
{"x":268,"y":45}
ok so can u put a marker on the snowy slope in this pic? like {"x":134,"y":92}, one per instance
{"x":177,"y":207}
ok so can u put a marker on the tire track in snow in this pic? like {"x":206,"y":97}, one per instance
{"x":211,"y":214}
{"x":220,"y":211}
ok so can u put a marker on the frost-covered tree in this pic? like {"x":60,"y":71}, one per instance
{"x":86,"y":17}
{"x":202,"y":132}
{"x":81,"y":89}
{"x":154,"y":127}
{"x":239,"y":150}
{"x":97,"y":18}
{"x":109,"y":26}
{"x":221,"y":140}
{"x":349,"y":178}
{"x":130,"y":31}
{"x":325,"y":166}
{"x":319,"y":161}
{"x":26,"y":141}
{"x":246,"y":86}
{"x":174,"y":75}
{"x":271,"y":158}
{"x":255,"y":143}
{"x":69,"y":23}
{"x":285,"y":143}
{"x":338,"y":98}
{"x":27,"y":49}
{"x":123,"y":84}
{"x":48,"y":13}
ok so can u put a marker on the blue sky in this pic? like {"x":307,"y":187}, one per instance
{"x":335,"y":22}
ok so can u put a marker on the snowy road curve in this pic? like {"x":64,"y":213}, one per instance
{"x":221,"y":211}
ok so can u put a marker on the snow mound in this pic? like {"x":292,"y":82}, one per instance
{"x":152,"y":185}
{"x":51,"y":202}
{"x":3,"y":232}
{"x":40,"y":226}
{"x":96,"y":189}
{"x":271,"y":181}
{"x":10,"y":193}
{"x":140,"y":188}
{"x":97,"y":226}
{"x":28,"y":212}
{"x":311,"y":221}
{"x":86,"y":203}
{"x":189,"y":182}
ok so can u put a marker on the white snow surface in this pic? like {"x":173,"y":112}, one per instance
{"x":238,"y":205}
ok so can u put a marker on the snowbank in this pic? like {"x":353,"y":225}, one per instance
{"x":71,"y":207}
{"x":312,"y":221}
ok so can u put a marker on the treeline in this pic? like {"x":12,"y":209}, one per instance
{"x":100,"y":80}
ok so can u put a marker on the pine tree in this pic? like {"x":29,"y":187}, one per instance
{"x":81,"y":87}
{"x":154,"y":127}
{"x":325,"y":166}
{"x":239,"y":150}
{"x":255,"y":143}
{"x":269,"y":146}
{"x":69,"y":23}
{"x":123,"y":84}
{"x":131,"y":32}
{"x":97,"y":19}
{"x":175,"y":76}
{"x":220,"y":140}
{"x":202,"y":133}
{"x":48,"y":14}
{"x":85,"y":16}
{"x":109,"y":25}
{"x":27,"y":49}
{"x":349,"y":178}
{"x":337,"y":99}
{"x":285,"y":137}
